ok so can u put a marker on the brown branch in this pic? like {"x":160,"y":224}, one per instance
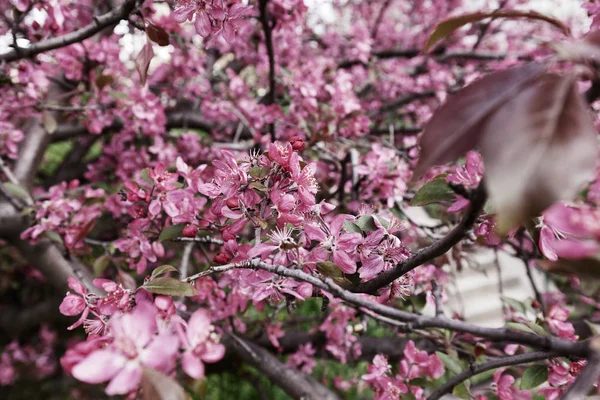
{"x":267,"y":29}
{"x":586,"y":379}
{"x":415,"y":321}
{"x":100,"y":22}
{"x":379,"y":18}
{"x":479,"y":368}
{"x":295,"y":383}
{"x":432,"y":251}
{"x":439,"y":55}
{"x":393,"y":105}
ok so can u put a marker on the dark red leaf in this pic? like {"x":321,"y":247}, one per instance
{"x":449,"y":25}
{"x":157,"y":34}
{"x":539,"y":147}
{"x":456,"y":127}
{"x":142,"y":61}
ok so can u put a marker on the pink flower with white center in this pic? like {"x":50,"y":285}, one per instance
{"x":342,"y":245}
{"x":163,"y":180}
{"x":136,"y":344}
{"x":182,"y":206}
{"x":380,"y":252}
{"x":200,"y":343}
{"x":557,"y":320}
{"x":282,"y":242}
{"x":228,"y":177}
{"x":567,"y":231}
{"x":305,"y":182}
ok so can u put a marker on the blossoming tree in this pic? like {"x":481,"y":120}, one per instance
{"x":221,"y":189}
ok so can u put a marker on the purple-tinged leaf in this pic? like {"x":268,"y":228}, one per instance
{"x":456,"y":127}
{"x":449,"y":25}
{"x":586,"y":48}
{"x":142,"y":61}
{"x":157,"y":34}
{"x":539,"y":147}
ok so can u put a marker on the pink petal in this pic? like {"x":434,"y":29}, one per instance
{"x":202,"y":24}
{"x":100,"y":366}
{"x":192,"y":365}
{"x":214,"y":352}
{"x":127,"y":380}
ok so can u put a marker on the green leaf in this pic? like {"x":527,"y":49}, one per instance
{"x":350,"y":226}
{"x":16,"y":190}
{"x":519,"y":327}
{"x":433,"y":191}
{"x":163,"y":269}
{"x":534,"y":376}
{"x":258,"y":186}
{"x":514,"y":304}
{"x":450,"y":363}
{"x":258,"y":172}
{"x":55,"y":237}
{"x":366,"y":223}
{"x":331,"y":270}
{"x":461,"y":391}
{"x":171,"y":232}
{"x":449,"y":25}
{"x":145,"y":175}
{"x":100,"y":264}
{"x":484,"y":376}
{"x":327,"y":268}
{"x":170,"y":287}
{"x":537,"y":328}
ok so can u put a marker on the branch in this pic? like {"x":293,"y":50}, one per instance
{"x":294,"y":383}
{"x":436,"y":249}
{"x":586,"y":379}
{"x":100,"y":22}
{"x":479,"y":368}
{"x":400,"y":102}
{"x":414,"y":321}
{"x":438,"y":55}
{"x":267,"y":28}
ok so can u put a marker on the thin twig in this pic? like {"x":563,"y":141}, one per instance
{"x":437,"y":296}
{"x":99,"y":23}
{"x":479,"y":368}
{"x":203,"y":239}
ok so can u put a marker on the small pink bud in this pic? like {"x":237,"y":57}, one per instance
{"x":190,"y":231}
{"x":221,"y":258}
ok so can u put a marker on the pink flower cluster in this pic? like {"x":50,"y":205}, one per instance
{"x":136,"y":332}
{"x":415,"y":364}
{"x":212,"y":18}
{"x":69,"y":210}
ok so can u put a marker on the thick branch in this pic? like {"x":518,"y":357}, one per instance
{"x":99,"y":24}
{"x":479,"y":368}
{"x":294,"y":383}
{"x":586,"y":379}
{"x":436,"y":249}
